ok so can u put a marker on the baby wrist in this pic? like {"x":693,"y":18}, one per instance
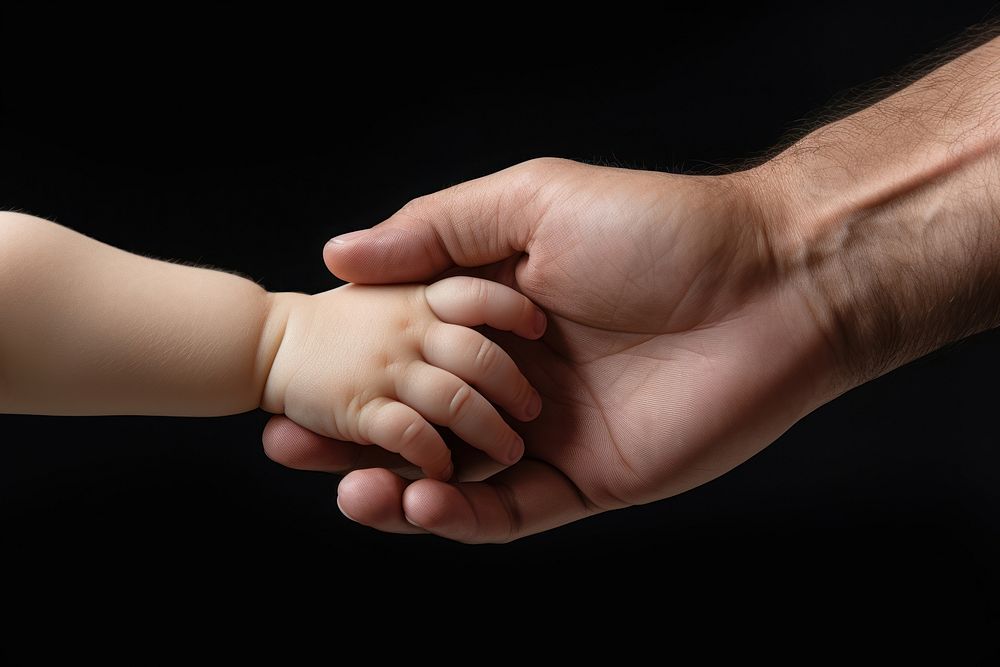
{"x":272,"y":384}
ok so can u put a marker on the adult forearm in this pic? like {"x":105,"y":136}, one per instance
{"x":91,"y":329}
{"x":890,"y":218}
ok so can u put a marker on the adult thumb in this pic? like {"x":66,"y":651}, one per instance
{"x":472,"y":224}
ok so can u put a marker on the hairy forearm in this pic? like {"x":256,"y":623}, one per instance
{"x":91,"y":329}
{"x":891,"y":218}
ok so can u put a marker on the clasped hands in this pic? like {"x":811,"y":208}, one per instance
{"x":677,"y":345}
{"x":646,"y":332}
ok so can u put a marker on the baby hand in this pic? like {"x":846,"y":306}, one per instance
{"x":380,"y":364}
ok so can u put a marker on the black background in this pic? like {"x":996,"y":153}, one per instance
{"x":246,"y":140}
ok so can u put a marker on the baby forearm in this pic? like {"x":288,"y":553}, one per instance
{"x":91,"y":329}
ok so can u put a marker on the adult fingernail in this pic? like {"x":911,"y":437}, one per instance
{"x":516,"y":451}
{"x":539,"y":323}
{"x":448,"y":472}
{"x":346,"y":238}
{"x":412,"y":522}
{"x":344,"y":512}
{"x":534,"y":406}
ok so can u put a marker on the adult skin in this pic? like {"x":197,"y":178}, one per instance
{"x":693,"y":319}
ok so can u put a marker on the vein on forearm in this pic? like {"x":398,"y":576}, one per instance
{"x":896,"y":222}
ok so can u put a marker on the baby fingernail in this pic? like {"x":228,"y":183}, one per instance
{"x":448,"y":472}
{"x":349,"y":236}
{"x":342,"y":511}
{"x":539,"y":323}
{"x":516,"y":451}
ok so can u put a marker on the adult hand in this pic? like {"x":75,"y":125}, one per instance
{"x":693,"y":319}
{"x":676,"y":346}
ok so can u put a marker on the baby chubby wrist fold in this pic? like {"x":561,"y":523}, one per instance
{"x":272,"y":335}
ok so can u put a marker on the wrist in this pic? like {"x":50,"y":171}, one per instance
{"x":273,"y":332}
{"x":894,"y":259}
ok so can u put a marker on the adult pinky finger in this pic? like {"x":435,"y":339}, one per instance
{"x":527,"y":498}
{"x":473,"y":301}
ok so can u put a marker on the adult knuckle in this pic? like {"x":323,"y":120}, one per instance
{"x":542,"y":165}
{"x":414,"y":207}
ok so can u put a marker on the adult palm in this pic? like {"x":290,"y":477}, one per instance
{"x":680,"y":341}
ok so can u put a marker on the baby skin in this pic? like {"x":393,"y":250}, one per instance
{"x":88,"y":329}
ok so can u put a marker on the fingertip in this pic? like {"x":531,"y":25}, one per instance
{"x":340,"y":506}
{"x":439,"y":508}
{"x":335,"y":255}
{"x":442,"y":474}
{"x":371,"y":497}
{"x":534,"y":407}
{"x":387,"y":253}
{"x":344,"y":239}
{"x":357,"y":256}
{"x":516,"y":451}
{"x":532,"y":321}
{"x":331,"y":253}
{"x":539,"y":325}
